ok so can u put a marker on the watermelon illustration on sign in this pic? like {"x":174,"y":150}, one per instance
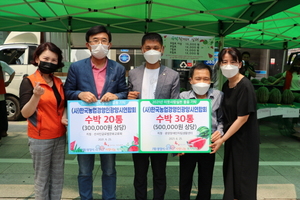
{"x":203,"y":135}
{"x":74,"y":148}
{"x":197,"y":142}
{"x":203,"y":132}
{"x":135,"y":140}
{"x":72,"y":145}
{"x":133,"y":148}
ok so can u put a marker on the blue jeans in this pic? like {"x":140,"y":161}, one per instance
{"x":85,"y":176}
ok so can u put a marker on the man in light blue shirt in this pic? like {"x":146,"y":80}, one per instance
{"x":200,"y":79}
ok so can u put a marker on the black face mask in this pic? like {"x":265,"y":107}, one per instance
{"x":47,"y":67}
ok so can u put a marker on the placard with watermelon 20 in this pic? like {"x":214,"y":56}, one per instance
{"x":103,"y":127}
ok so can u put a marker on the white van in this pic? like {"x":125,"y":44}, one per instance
{"x":17,"y":51}
{"x":18,"y":48}
{"x":18,"y":57}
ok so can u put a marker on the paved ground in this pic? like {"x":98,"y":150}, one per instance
{"x":278,"y":175}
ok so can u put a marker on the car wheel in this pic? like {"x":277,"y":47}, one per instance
{"x":13,"y":108}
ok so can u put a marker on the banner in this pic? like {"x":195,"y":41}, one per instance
{"x":181,"y":125}
{"x":139,"y":126}
{"x":103,"y":127}
{"x":178,"y":47}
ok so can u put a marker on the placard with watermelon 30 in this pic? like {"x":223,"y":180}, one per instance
{"x":176,"y":125}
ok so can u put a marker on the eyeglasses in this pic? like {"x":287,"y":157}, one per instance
{"x":97,"y":41}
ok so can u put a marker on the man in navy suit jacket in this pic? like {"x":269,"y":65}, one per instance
{"x":152,"y":81}
{"x":92,"y":79}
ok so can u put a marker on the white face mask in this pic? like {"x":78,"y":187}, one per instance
{"x":229,"y":71}
{"x":152,"y":56}
{"x":200,"y":88}
{"x":99,"y":50}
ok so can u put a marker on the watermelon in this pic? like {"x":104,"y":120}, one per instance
{"x":297,"y":99}
{"x":272,"y":79}
{"x":287,"y":97}
{"x":255,"y":81}
{"x":135,"y":140}
{"x":72,"y":145}
{"x":267,"y":82}
{"x":278,"y":75}
{"x":262,"y":94}
{"x":263,"y":80}
{"x":296,"y":94}
{"x":133,"y":148}
{"x":203,"y":132}
{"x":275,"y":96}
{"x":197,"y":142}
{"x":281,"y":82}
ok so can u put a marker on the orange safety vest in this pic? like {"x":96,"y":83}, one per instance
{"x":45,"y":123}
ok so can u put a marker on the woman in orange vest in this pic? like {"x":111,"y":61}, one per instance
{"x":43,"y":104}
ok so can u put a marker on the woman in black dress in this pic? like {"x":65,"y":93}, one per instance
{"x":240,"y":166}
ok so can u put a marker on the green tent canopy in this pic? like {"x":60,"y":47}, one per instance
{"x":279,"y":31}
{"x":187,"y":17}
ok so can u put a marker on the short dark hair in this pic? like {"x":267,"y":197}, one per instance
{"x":246,"y":53}
{"x":95,"y":30}
{"x":51,"y":47}
{"x":236,"y":54}
{"x":152,"y":36}
{"x":200,"y":65}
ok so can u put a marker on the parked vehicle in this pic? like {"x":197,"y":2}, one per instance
{"x":17,"y":56}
